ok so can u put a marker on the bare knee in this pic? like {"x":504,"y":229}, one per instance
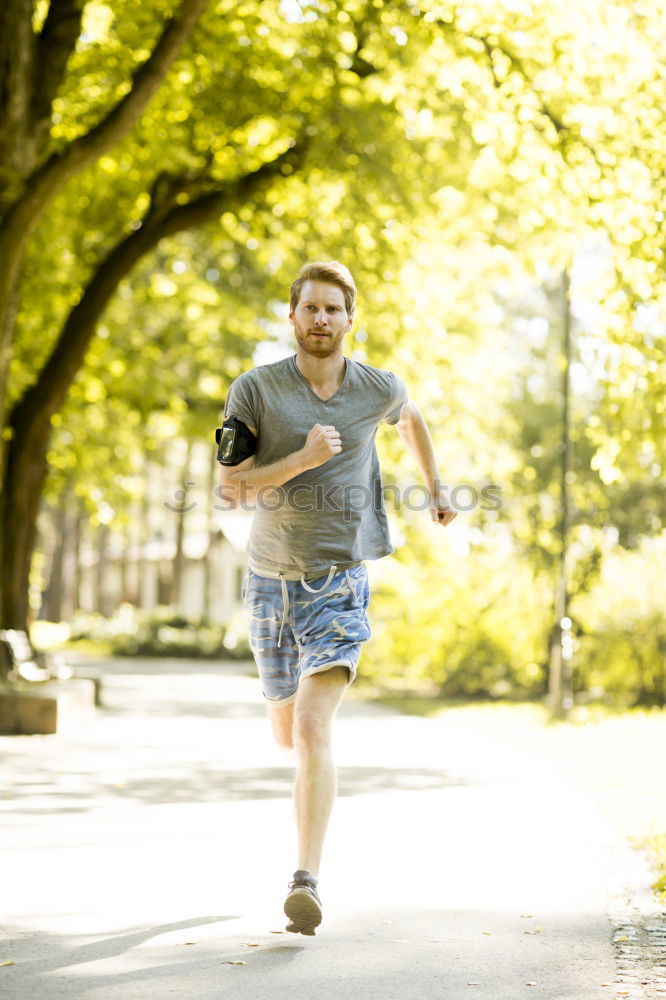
{"x":312,"y":731}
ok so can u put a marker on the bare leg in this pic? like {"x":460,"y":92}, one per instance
{"x":282,"y":723}
{"x":318,"y":699}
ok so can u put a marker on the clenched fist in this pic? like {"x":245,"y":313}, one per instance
{"x":322,"y":443}
{"x":441,"y":510}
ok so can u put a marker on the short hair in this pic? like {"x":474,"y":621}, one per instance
{"x":332,"y":271}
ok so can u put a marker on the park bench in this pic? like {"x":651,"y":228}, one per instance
{"x":6,"y":661}
{"x":37,"y":691}
{"x":18,"y":658}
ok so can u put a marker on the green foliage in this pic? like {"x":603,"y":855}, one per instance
{"x":133,"y":632}
{"x":430,"y":123}
{"x":453,"y":158}
{"x":464,"y":625}
{"x":622,"y":644}
{"x":656,"y":845}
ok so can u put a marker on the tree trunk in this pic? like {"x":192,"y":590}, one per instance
{"x":69,"y":556}
{"x":24,"y":481}
{"x":31,"y":71}
{"x":210,"y":530}
{"x":53,"y":593}
{"x":31,"y":417}
{"x":144,"y":535}
{"x":128,"y":584}
{"x":559,"y":680}
{"x":180,"y":514}
{"x":101,"y":599}
{"x":80,"y":521}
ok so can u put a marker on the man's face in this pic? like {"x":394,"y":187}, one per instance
{"x":320,"y":319}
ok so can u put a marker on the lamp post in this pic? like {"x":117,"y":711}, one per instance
{"x":560,"y":696}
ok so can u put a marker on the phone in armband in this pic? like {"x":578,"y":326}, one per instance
{"x":235,"y":442}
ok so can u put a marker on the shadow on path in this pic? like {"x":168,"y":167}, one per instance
{"x":429,"y":954}
{"x":195,"y":782}
{"x":94,"y":951}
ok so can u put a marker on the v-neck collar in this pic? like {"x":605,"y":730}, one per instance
{"x":337,"y":391}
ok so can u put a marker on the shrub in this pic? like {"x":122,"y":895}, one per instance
{"x":621,"y":649}
{"x":134,"y":632}
{"x":481,"y":632}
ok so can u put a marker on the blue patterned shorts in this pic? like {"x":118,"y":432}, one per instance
{"x":324,"y":627}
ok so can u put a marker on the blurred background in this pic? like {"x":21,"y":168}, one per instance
{"x":492,"y":175}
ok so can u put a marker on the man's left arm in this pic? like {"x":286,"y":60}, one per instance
{"x":414,"y":432}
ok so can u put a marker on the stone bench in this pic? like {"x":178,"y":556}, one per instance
{"x":46,"y":708}
{"x":37,"y":692}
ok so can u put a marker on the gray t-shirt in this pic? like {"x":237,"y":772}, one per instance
{"x":333,"y":514}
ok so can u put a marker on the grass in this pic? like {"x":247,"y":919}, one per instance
{"x":55,"y":637}
{"x":656,"y":848}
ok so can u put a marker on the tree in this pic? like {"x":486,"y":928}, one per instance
{"x":33,"y":64}
{"x":471,"y":128}
{"x":216,"y":169}
{"x":194,"y":159}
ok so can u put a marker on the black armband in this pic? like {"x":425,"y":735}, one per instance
{"x":235,"y":442}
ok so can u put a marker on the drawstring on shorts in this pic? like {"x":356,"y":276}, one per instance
{"x":312,"y":590}
{"x":285,"y":605}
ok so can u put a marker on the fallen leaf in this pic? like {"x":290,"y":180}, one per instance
{"x":622,"y":937}
{"x":3,"y":964}
{"x":530,"y":984}
{"x":228,"y":962}
{"x":278,"y":932}
{"x":537,"y":930}
{"x":489,"y":933}
{"x":189,"y":942}
{"x":251,"y":944}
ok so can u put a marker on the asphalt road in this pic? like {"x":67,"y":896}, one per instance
{"x":148,"y":854}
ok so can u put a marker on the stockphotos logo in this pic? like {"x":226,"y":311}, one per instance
{"x":350,"y":500}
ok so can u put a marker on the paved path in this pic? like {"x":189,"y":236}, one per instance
{"x":148,"y":854}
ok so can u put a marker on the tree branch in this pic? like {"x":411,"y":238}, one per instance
{"x":360,"y":66}
{"x":164,"y":217}
{"x":60,"y":167}
{"x":497,"y":83}
{"x":53,"y":48}
{"x":518,"y":65}
{"x":563,"y":131}
{"x":199,"y":210}
{"x":16,"y":62}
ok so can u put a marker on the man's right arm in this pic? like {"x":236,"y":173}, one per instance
{"x":241,"y":483}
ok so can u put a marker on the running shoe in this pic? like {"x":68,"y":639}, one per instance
{"x":303,"y":905}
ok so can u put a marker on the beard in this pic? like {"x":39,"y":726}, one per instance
{"x":318,"y":347}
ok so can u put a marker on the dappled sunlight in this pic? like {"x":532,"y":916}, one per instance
{"x":492,"y":176}
{"x":151,"y":823}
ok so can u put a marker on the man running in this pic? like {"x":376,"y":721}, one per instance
{"x":299,"y":442}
